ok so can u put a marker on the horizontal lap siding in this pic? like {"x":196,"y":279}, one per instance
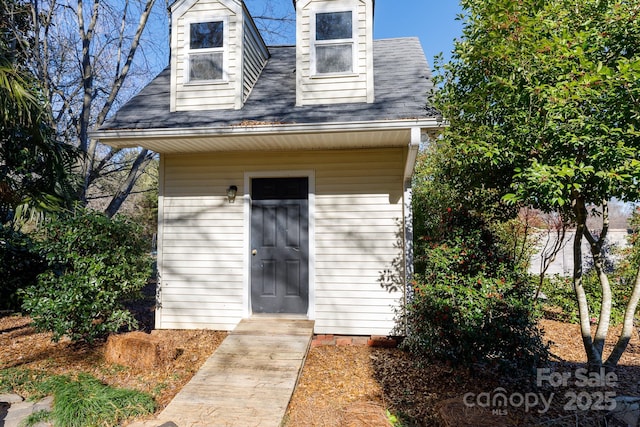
{"x":338,"y":89}
{"x":358,"y":214}
{"x":202,"y":96}
{"x":202,"y":246}
{"x":358,"y":223}
{"x":254,"y":58}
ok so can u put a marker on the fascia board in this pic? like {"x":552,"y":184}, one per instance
{"x":431,"y":124}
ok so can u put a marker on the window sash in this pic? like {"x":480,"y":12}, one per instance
{"x":205,"y":51}
{"x":333,"y":41}
{"x":206,"y":35}
{"x":205,"y":66}
{"x":334,"y":58}
{"x":334,"y":25}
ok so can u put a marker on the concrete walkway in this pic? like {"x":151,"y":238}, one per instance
{"x":248,"y":381}
{"x":14,"y":410}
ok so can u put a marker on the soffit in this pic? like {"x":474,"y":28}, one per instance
{"x":187,"y":142}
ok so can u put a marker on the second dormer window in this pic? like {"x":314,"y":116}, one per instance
{"x":206,"y":51}
{"x":334,"y":42}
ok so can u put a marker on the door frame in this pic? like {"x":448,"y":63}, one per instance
{"x":248,"y":176}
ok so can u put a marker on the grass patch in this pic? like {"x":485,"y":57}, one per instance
{"x":82,"y":401}
{"x":37,"y":417}
{"x":24,"y":382}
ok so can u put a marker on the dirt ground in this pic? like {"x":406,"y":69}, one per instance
{"x":21,"y":346}
{"x":342,"y":386}
{"x":352,"y":386}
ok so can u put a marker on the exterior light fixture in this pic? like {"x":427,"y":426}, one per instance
{"x":231,"y":193}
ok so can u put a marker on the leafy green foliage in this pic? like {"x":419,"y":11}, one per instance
{"x":547,"y":93}
{"x":20,"y":265}
{"x":470,"y":304}
{"x":630,"y":261}
{"x":35,"y":169}
{"x":443,"y":180}
{"x":542,"y":101}
{"x":561,"y":301}
{"x":95,"y":264}
{"x":81,"y":401}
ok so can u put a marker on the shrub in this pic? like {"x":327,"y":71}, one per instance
{"x":473,"y":320}
{"x":561,"y":298}
{"x":20,"y":265}
{"x":470,"y":302}
{"x":95,"y":265}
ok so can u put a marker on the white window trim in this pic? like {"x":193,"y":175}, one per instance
{"x":224,"y":49}
{"x":344,"y":7}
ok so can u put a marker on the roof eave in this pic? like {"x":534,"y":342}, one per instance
{"x":271,"y":136}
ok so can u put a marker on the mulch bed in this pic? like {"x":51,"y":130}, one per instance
{"x":337,"y":379}
{"x":340,"y":385}
{"x":21,"y":346}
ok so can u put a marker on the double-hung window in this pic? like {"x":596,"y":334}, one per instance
{"x":333,"y":42}
{"x":205,"y":51}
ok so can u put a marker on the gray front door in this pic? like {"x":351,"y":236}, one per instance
{"x":280,"y":245}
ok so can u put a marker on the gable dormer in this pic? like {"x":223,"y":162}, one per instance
{"x":334,"y":51}
{"x":217,"y":54}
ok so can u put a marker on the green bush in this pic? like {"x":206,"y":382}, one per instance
{"x":470,"y":304}
{"x":95,"y":265}
{"x":20,"y":265}
{"x":561,"y":301}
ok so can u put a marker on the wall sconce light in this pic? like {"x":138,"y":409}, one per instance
{"x":231,"y":193}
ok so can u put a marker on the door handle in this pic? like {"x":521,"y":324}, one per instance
{"x":254,"y":252}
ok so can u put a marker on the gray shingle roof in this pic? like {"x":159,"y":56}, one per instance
{"x":402,"y":80}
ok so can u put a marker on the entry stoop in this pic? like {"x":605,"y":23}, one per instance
{"x":248,"y":380}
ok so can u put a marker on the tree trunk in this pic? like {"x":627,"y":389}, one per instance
{"x":605,"y":302}
{"x":91,"y":85}
{"x":593,"y":358}
{"x":86,"y":36}
{"x":627,"y":326}
{"x":125,"y":189}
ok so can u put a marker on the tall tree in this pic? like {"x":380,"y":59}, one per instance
{"x":92,"y":57}
{"x":34,"y":167}
{"x":548,"y":93}
{"x":90,"y":60}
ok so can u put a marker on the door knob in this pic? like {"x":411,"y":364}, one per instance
{"x":254,"y":252}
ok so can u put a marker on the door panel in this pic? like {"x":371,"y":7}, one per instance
{"x":280,"y":246}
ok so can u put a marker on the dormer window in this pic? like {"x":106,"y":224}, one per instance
{"x":206,"y":51}
{"x":333,"y":42}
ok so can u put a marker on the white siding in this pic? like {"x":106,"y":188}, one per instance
{"x":255,"y":56}
{"x":358,"y":229}
{"x":356,"y":87}
{"x":207,"y":95}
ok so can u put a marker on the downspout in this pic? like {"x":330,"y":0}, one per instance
{"x":160,"y":246}
{"x":407,"y":216}
{"x":412,"y":154}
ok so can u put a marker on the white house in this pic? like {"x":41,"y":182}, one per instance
{"x":284,"y":170}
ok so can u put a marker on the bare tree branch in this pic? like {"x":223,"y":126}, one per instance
{"x":125,"y":189}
